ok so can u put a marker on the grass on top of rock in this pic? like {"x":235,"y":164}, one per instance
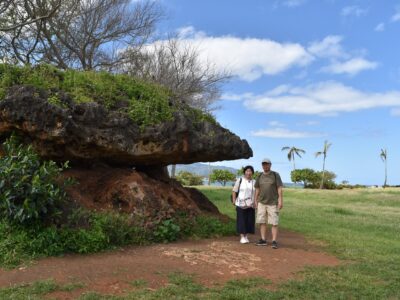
{"x":144,"y":102}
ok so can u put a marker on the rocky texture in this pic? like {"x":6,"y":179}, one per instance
{"x":88,"y":133}
{"x":135,"y":193}
{"x":118,"y":165}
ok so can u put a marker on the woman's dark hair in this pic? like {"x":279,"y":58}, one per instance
{"x":248,"y":167}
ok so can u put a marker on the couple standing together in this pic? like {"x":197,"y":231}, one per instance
{"x":263,"y":194}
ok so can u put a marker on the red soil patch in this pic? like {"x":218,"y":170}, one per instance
{"x":212,"y":261}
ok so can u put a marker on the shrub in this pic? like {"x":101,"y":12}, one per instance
{"x":103,"y":231}
{"x":167,"y":231}
{"x":187,"y":178}
{"x":208,"y":226}
{"x":222,"y":176}
{"x":28,"y":190}
{"x":99,"y":231}
{"x":312,"y":179}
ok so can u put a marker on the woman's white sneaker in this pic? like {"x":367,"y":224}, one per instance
{"x":243,"y":240}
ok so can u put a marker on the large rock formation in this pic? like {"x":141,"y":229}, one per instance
{"x":88,"y":133}
{"x":118,"y":165}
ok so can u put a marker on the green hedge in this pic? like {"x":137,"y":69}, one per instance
{"x":146,"y":103}
{"x":102,"y":231}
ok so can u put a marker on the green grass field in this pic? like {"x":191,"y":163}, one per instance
{"x":361,"y":227}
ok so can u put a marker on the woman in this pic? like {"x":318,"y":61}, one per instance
{"x":243,"y":197}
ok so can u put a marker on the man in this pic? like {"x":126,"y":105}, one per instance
{"x":268,"y":201}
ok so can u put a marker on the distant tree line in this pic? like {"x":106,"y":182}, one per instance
{"x":321,"y":179}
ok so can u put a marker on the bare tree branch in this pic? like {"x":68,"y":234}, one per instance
{"x":30,"y":18}
{"x":178,"y":67}
{"x":74,"y":33}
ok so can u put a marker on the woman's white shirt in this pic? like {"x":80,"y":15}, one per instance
{"x":246,"y":194}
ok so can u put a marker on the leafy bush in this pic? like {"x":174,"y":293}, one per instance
{"x":222,"y":176}
{"x":312,"y":179}
{"x":103,"y":231}
{"x":208,"y":226}
{"x":187,"y":178}
{"x":307,"y":176}
{"x":99,"y":231}
{"x":167,"y":231}
{"x":28,"y":190}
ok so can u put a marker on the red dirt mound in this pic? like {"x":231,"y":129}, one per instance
{"x":134,"y":192}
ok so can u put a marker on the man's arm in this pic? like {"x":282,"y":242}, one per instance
{"x":280,"y":197}
{"x":256,"y":197}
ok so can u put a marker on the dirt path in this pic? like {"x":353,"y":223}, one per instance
{"x":212,"y":261}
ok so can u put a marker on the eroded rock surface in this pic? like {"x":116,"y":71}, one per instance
{"x":89,"y":133}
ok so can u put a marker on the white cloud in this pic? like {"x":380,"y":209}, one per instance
{"x":350,"y":67}
{"x":340,"y":61}
{"x":396,"y":16}
{"x":251,"y":58}
{"x":395,"y":112}
{"x":293,"y":3}
{"x":186,"y":31}
{"x":329,"y":47}
{"x":380,"y":27}
{"x":236,"y":97}
{"x":309,"y":123}
{"x":247,"y":58}
{"x":324,"y":98}
{"x":354,"y":10}
{"x":276,"y":124}
{"x":285,"y":133}
{"x":280,"y":89}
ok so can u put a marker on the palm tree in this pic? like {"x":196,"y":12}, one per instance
{"x":383,"y":156}
{"x":324,"y":153}
{"x":291,"y":153}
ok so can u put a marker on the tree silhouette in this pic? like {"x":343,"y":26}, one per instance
{"x":292,"y":152}
{"x":383,"y":156}
{"x":324,"y":153}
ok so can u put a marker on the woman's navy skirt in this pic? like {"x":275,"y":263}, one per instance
{"x":245,"y":219}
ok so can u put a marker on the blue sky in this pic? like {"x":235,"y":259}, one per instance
{"x":304,"y":71}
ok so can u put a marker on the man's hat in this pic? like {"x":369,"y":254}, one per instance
{"x":266,"y":161}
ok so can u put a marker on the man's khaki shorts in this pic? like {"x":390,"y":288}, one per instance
{"x":267,"y":214}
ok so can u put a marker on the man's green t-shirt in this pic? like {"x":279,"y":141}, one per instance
{"x":268,"y":185}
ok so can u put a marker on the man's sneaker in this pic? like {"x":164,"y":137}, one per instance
{"x":261,"y":242}
{"x":243,"y":240}
{"x":247,"y":239}
{"x":274,"y":245}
